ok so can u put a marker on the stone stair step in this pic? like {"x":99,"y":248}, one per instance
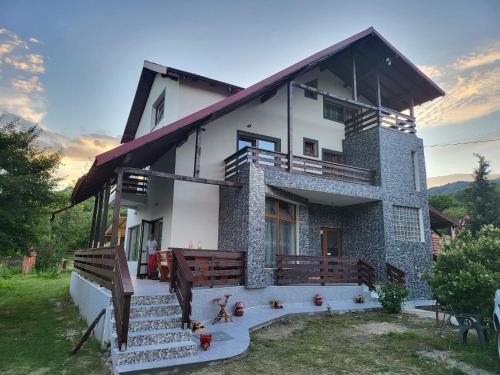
{"x":154,"y":337}
{"x":160,"y":309}
{"x":151,"y":353}
{"x":153,"y":300}
{"x":152,"y":323}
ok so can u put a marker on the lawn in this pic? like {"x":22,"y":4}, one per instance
{"x":39,"y":326}
{"x":358,"y":343}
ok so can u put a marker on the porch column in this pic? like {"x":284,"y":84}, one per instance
{"x":354,"y":83}
{"x":104,"y":224}
{"x":92,"y":227}
{"x":116,"y":207}
{"x":289,"y":125}
{"x":197,"y":152}
{"x":98,"y":219}
{"x":412,"y":107}
{"x":379,"y":97}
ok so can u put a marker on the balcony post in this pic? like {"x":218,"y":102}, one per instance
{"x":354,"y":83}
{"x":92,"y":227}
{"x":289,"y":125}
{"x":98,"y":219}
{"x":412,"y":107}
{"x":379,"y":97}
{"x":197,"y":152}
{"x":116,"y":208}
{"x":104,"y":224}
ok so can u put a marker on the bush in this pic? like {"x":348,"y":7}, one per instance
{"x":467,"y":272}
{"x":392,"y":296}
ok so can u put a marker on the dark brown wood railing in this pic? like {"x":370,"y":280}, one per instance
{"x":367,"y":118}
{"x":394,"y":274}
{"x":107,"y":266}
{"x":297,"y":269}
{"x":299,"y":165}
{"x":203,"y":268}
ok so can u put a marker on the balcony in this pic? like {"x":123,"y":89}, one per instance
{"x":300,"y":165}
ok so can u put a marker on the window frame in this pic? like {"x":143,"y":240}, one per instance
{"x":277,"y":220}
{"x":255,"y":137}
{"x":156,"y":105}
{"x":343,"y":110}
{"x":335,"y":153}
{"x":406,"y":234}
{"x":311,"y":94}
{"x":315,"y":145}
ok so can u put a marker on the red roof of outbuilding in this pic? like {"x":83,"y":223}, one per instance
{"x":105,"y":163}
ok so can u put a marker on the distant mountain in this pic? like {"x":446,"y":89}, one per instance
{"x":453,"y":187}
{"x":443,"y":180}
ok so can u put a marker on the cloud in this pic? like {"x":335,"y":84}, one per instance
{"x":472,"y":85}
{"x":5,"y":48}
{"x":77,"y":152}
{"x":31,"y":108}
{"x":28,"y":85}
{"x":32,"y":63}
{"x":430,"y":70}
{"x":33,"y":40}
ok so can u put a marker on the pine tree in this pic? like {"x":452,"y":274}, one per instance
{"x":483,"y":201}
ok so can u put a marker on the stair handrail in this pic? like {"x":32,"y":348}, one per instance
{"x":181,"y":281}
{"x":122,"y":291}
{"x":366,"y":274}
{"x":394,"y":274}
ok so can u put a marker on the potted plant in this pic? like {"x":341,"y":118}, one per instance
{"x":318,"y":300}
{"x":205,"y":341}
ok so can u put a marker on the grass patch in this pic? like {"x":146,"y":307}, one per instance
{"x":39,"y":327}
{"x":340,"y":344}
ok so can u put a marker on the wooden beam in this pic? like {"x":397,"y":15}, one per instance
{"x":379,"y":97}
{"x":197,"y":152}
{"x":104,"y":225}
{"x":289,"y":125}
{"x":92,"y":227}
{"x":98,"y":219}
{"x":354,"y":83}
{"x":178,"y":177}
{"x":116,"y":208}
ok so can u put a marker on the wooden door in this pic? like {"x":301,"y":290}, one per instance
{"x":332,"y":242}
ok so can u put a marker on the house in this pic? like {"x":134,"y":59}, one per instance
{"x":314,"y":175}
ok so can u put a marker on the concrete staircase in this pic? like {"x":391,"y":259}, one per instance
{"x":155,"y":334}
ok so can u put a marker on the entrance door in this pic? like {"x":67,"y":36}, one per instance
{"x":148,"y":227}
{"x":331,"y":242}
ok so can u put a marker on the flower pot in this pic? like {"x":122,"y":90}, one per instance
{"x":238,"y":309}
{"x":205,"y":341}
{"x":318,"y":300}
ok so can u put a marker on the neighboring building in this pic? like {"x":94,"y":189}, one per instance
{"x":320,"y":159}
{"x":443,"y":227}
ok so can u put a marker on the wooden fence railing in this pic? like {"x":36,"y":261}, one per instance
{"x":203,"y":268}
{"x":394,"y":274}
{"x":297,"y":269}
{"x":367,"y":118}
{"x":107,"y":266}
{"x":300,"y":164}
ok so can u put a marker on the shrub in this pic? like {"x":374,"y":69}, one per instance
{"x":392,"y":296}
{"x":467,"y":272}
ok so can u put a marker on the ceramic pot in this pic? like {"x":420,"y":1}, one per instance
{"x":238,"y":309}
{"x":205,"y":341}
{"x":318,"y":300}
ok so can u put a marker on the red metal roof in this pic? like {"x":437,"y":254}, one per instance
{"x":105,"y":163}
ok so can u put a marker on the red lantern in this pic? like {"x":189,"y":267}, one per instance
{"x":318,"y":300}
{"x":205,"y":341}
{"x":238,"y":309}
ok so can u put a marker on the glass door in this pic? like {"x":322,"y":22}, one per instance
{"x":331,"y":242}
{"x":148,"y":227}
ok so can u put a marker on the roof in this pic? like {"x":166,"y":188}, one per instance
{"x":142,"y":151}
{"x":440,"y":220}
{"x":148,"y":73}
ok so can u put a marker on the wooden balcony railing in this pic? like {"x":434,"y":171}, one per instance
{"x":203,"y":268}
{"x":394,"y":274}
{"x":300,"y":165}
{"x":369,"y":117}
{"x":107,"y":266}
{"x":297,"y":269}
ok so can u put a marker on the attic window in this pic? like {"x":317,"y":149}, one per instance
{"x":311,"y":94}
{"x":159,"y":108}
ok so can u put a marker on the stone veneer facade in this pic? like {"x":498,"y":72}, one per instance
{"x":368,"y":229}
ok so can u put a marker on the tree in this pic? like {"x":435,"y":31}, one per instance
{"x":443,"y":201}
{"x":467,"y":271}
{"x":27,"y":187}
{"x":482,"y":199}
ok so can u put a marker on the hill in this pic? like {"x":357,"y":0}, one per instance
{"x":456,"y":186}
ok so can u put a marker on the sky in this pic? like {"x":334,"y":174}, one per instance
{"x":73,"y":67}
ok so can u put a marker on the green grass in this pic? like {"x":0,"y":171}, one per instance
{"x":333,"y":345}
{"x":39,"y":326}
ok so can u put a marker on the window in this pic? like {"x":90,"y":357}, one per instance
{"x":133,"y":242}
{"x":415,"y":169}
{"x":332,"y":156}
{"x":159,"y":108}
{"x":310,"y":147}
{"x":280,"y":230}
{"x":311,"y":94}
{"x":407,"y":224}
{"x":335,"y":112}
{"x":246,"y":139}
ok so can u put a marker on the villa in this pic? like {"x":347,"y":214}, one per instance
{"x":310,"y":181}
